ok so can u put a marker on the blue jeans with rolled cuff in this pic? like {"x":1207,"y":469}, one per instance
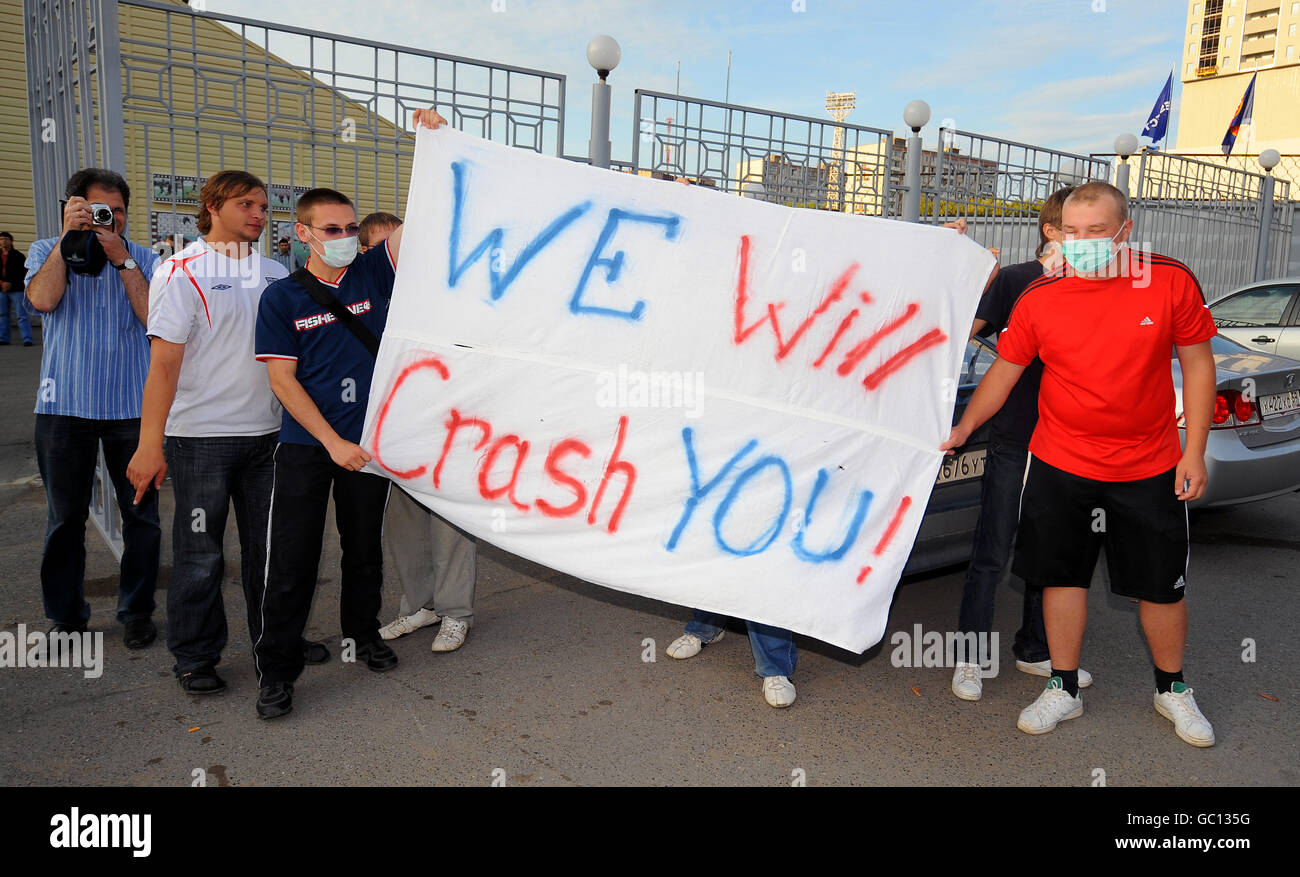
{"x":774,"y":650}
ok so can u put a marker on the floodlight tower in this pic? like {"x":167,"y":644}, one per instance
{"x":838,"y":104}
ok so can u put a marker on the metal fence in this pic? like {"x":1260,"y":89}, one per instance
{"x":181,"y":94}
{"x":1212,"y":217}
{"x":798,"y":161}
{"x":64,"y":95}
{"x":999,"y":186}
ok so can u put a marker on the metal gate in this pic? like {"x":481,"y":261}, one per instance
{"x":1214,"y":218}
{"x":798,"y":161}
{"x":176,"y":95}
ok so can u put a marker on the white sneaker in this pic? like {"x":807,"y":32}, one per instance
{"x":778,"y":691}
{"x":688,"y":645}
{"x":1044,"y":668}
{"x":966,"y":681}
{"x":405,"y":624}
{"x":1180,"y":708}
{"x":1053,"y":706}
{"x":451,"y":636}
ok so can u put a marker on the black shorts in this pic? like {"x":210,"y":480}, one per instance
{"x":1065,"y":520}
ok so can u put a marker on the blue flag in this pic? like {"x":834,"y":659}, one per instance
{"x":1242,"y":117}
{"x":1159,"y":120}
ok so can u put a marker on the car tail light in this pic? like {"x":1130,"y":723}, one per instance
{"x":1231,"y":410}
{"x":1243,"y":409}
{"x":1222,"y":410}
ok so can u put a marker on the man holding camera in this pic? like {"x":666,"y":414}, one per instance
{"x":92,"y":285}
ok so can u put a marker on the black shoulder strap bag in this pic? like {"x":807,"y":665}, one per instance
{"x":321,"y":294}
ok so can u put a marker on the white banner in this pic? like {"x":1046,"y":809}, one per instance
{"x":699,"y":398}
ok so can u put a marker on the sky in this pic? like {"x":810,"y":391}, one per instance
{"x":1064,"y":74}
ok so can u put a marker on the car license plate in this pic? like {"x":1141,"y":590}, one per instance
{"x":1279,"y":403}
{"x":962,"y":467}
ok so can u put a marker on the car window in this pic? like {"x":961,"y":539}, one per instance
{"x":979,"y":356}
{"x":1256,"y":307}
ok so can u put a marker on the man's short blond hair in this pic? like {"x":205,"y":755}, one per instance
{"x":1091,"y":192}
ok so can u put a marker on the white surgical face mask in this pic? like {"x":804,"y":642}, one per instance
{"x":340,"y":252}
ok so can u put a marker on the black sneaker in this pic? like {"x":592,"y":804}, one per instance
{"x":203,"y":680}
{"x":314,"y":652}
{"x":378,"y":656}
{"x":275,"y":700}
{"x":139,"y":632}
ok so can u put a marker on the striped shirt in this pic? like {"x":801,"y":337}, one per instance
{"x":96,"y":354}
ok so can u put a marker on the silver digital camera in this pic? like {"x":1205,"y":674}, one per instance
{"x":101,"y":214}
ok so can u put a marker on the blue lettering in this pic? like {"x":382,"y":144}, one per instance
{"x":697,"y":492}
{"x":864,"y":501}
{"x":614,"y":266}
{"x":760,"y":544}
{"x":499,"y":280}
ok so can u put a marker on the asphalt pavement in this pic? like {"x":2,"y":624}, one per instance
{"x":553,"y":686}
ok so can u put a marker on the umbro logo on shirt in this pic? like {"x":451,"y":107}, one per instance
{"x":1147,"y":321}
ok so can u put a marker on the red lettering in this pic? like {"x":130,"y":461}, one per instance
{"x":428,"y":362}
{"x":615,"y":464}
{"x":455,"y":422}
{"x":553,"y":469}
{"x":893,"y":526}
{"x":783,"y":347}
{"x":863,"y":573}
{"x":899,"y":359}
{"x":858,"y":353}
{"x":835,"y":339}
{"x":521,"y":451}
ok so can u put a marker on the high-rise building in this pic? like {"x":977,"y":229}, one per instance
{"x":1225,"y":42}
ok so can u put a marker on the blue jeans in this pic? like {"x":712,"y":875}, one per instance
{"x":16,"y":300}
{"x":207,"y":475}
{"x":995,"y":535}
{"x":67,"y":449}
{"x":774,"y":650}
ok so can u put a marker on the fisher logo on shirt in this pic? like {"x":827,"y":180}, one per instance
{"x":317,"y":320}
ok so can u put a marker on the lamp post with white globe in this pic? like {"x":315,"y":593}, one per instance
{"x":916,"y":114}
{"x":603,"y":54}
{"x":1268,"y":160}
{"x":1125,"y":146}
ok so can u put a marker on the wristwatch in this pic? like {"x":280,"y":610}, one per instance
{"x":129,"y":263}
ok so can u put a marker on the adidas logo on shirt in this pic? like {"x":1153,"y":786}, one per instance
{"x":1147,"y":321}
{"x":1180,"y":583}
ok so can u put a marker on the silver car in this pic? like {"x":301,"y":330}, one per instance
{"x":1265,"y":316}
{"x":1254,"y":447}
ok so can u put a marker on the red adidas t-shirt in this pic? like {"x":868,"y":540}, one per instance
{"x":1106,"y":407}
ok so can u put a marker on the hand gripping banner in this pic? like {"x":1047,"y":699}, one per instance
{"x":704,"y":399}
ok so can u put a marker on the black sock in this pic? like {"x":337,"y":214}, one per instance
{"x":1069,"y":680}
{"x":1165,"y":681}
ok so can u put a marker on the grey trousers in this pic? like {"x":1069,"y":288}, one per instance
{"x":435,"y":563}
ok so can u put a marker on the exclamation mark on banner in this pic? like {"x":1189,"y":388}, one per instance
{"x":888,"y":537}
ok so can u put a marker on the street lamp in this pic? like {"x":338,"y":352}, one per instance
{"x":603,"y":54}
{"x":916,"y":114}
{"x":1268,"y":160}
{"x":1125,"y":145}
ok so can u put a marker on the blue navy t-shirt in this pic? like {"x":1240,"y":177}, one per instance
{"x":333,"y":366}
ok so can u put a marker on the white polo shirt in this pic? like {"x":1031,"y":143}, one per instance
{"x":208,"y":302}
